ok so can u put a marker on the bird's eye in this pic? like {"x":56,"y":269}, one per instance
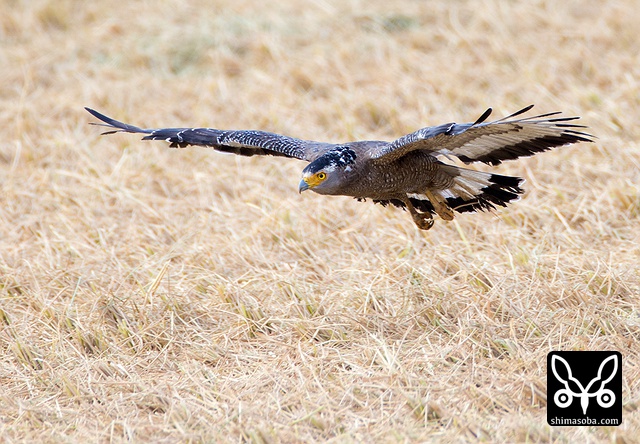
{"x":322,"y":176}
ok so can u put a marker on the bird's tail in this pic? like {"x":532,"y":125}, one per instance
{"x":472,"y":191}
{"x":480,"y":191}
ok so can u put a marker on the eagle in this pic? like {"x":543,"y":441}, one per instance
{"x":410,"y":172}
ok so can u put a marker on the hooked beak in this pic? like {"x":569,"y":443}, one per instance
{"x":303,"y":186}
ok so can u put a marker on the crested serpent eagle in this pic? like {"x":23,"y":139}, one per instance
{"x":408,"y":172}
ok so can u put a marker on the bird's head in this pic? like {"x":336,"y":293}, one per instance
{"x":326,"y":174}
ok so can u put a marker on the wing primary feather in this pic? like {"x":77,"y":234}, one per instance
{"x":517,"y":113}
{"x":570,"y":125}
{"x":112,"y":123}
{"x":483,"y":117}
{"x":562,"y":119}
{"x":540,"y":116}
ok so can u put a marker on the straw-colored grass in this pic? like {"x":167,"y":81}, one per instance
{"x":157,"y":295}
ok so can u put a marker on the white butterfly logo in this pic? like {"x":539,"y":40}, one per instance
{"x":564,"y":397}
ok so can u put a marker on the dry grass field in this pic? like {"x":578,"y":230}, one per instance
{"x":157,"y":295}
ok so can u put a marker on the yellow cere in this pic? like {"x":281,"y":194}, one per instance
{"x":316,"y":179}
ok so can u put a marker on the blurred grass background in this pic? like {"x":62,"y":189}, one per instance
{"x":159,"y":295}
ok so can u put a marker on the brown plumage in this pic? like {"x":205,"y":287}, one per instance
{"x":408,"y":172}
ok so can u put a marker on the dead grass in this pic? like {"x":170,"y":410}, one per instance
{"x":155,"y":295}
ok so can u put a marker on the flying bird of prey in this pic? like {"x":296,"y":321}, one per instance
{"x":408,"y":172}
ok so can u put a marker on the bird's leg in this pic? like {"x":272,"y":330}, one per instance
{"x":424,"y":221}
{"x":440,"y":205}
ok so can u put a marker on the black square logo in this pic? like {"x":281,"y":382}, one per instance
{"x":584,"y":388}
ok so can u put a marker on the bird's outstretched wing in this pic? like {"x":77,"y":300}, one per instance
{"x":245,"y":143}
{"x":489,"y":142}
